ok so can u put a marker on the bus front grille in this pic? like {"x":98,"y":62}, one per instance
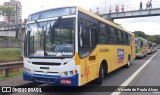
{"x":45,"y":63}
{"x":47,"y":72}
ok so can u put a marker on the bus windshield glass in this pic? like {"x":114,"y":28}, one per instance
{"x":138,"y":43}
{"x":50,"y":38}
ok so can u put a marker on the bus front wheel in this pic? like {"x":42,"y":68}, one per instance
{"x":98,"y":81}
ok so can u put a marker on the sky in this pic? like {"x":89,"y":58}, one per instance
{"x":149,"y":25}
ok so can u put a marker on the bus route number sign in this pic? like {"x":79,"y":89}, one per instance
{"x":120,"y":55}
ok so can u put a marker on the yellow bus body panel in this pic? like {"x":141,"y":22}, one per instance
{"x":90,"y":68}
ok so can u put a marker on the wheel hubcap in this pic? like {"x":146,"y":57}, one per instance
{"x":128,"y":63}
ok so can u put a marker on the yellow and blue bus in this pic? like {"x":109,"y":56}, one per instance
{"x":70,"y":46}
{"x":141,"y":47}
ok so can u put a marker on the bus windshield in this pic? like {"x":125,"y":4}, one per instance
{"x":50,"y":38}
{"x":138,"y":44}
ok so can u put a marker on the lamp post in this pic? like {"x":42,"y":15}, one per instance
{"x":105,"y":6}
{"x":16,"y":20}
{"x":16,"y":14}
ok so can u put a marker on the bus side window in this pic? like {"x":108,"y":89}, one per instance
{"x":107,"y":34}
{"x":113,"y":36}
{"x":87,"y":37}
{"x":119,"y":35}
{"x":93,"y":37}
{"x":116,"y":36}
{"x":84,"y":36}
{"x":142,"y":43}
{"x":123,"y":39}
{"x":127,"y":39}
{"x":102,"y":39}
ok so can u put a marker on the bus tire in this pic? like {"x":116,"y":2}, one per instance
{"x":128,"y":63}
{"x":98,"y":81}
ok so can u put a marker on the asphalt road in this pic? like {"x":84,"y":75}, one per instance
{"x":149,"y":76}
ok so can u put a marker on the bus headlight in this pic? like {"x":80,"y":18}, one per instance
{"x":27,"y":70}
{"x":71,"y":72}
{"x":68,"y":73}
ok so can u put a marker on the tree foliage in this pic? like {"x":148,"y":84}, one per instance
{"x":152,"y":38}
{"x":7,"y":11}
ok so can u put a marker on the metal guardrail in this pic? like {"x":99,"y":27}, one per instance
{"x":10,"y":65}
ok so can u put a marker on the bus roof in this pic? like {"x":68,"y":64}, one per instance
{"x":90,"y":14}
{"x":52,"y":8}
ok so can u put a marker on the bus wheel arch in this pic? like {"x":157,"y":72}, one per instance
{"x":103,"y":70}
{"x":105,"y":67}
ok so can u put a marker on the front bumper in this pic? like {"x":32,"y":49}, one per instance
{"x":139,"y":55}
{"x":54,"y":80}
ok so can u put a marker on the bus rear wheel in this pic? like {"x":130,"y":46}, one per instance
{"x":128,"y":63}
{"x":98,"y":81}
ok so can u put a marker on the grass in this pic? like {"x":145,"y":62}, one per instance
{"x":12,"y":74}
{"x":10,"y":55}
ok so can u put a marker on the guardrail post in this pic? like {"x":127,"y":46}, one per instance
{"x":6,"y":73}
{"x":7,"y":66}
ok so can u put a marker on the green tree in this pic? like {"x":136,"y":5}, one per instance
{"x":7,"y":11}
{"x":152,"y":38}
{"x":140,"y":34}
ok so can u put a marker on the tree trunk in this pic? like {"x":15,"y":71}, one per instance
{"x":9,"y":18}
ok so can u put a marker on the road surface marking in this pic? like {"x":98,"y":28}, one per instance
{"x":133,"y":75}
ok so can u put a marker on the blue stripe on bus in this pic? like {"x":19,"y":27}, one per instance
{"x":54,"y":80}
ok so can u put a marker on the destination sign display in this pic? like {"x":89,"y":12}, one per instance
{"x":53,"y":13}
